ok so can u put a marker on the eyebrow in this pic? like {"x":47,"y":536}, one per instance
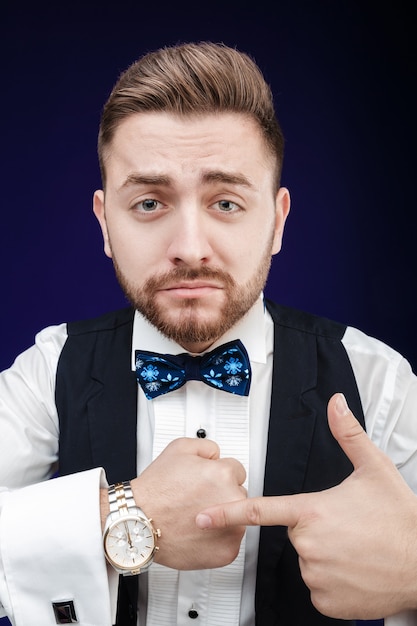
{"x":146,"y":179}
{"x":226,"y":177}
{"x":162,"y":180}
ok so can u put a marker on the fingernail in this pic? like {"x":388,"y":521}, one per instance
{"x":203,"y":521}
{"x":341,"y":404}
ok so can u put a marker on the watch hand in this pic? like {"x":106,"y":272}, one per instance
{"x":128,"y":534}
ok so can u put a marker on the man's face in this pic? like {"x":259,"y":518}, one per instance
{"x":190,"y":219}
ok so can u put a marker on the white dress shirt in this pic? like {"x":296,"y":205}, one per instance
{"x":198,"y":406}
{"x":50,"y":534}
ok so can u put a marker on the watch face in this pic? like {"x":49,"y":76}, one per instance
{"x":129,"y":543}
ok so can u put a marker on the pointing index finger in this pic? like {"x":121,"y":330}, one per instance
{"x":289,"y":510}
{"x":261,"y":511}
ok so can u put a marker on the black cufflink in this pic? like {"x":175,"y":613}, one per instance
{"x":65,"y":612}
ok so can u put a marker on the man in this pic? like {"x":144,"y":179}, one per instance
{"x":191,"y":213}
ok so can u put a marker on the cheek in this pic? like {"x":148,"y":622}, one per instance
{"x":244,"y":260}
{"x":132,"y":251}
{"x":251,"y":247}
{"x":125,"y":236}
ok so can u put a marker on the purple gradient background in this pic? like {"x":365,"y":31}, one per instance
{"x":343,"y":76}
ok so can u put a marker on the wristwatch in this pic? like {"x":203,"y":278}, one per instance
{"x":129,"y":537}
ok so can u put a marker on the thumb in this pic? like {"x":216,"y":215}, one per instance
{"x":348,"y":432}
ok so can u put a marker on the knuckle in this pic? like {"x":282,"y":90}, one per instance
{"x":232,"y":545}
{"x":253,"y":512}
{"x":308,"y":550}
{"x":323,"y":604}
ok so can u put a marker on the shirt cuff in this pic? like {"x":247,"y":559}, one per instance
{"x":52,"y":551}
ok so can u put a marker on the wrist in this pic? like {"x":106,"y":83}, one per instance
{"x":104,"y":507}
{"x":129,"y":537}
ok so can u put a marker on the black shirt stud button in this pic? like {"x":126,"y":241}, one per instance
{"x":201,"y":433}
{"x":193,"y":614}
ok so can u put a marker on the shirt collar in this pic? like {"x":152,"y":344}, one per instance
{"x":251,"y":330}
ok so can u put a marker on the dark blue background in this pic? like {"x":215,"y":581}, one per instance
{"x":343,"y":76}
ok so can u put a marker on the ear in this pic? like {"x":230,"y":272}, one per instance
{"x":282,"y":208}
{"x":99,"y":212}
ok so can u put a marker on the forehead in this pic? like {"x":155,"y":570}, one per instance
{"x":179,"y":145}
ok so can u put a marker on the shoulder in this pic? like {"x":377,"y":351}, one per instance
{"x":106,"y":338}
{"x":301,"y":321}
{"x":111,"y":321}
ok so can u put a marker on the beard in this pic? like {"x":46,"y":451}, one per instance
{"x":187,"y":327}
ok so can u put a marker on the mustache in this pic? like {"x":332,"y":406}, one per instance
{"x":186,"y":273}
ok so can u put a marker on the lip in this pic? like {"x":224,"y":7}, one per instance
{"x":191,"y":289}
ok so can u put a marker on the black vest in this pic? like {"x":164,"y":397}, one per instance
{"x":96,"y":398}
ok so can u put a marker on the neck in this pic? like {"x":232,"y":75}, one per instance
{"x":197,"y":347}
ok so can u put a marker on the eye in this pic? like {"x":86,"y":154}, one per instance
{"x":226,"y":206}
{"x":148,"y":205}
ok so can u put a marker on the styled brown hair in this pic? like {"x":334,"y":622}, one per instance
{"x":193,"y":79}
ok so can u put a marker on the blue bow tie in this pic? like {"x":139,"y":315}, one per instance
{"x":226,"y":368}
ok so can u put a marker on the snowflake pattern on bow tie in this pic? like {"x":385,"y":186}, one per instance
{"x":226,"y":368}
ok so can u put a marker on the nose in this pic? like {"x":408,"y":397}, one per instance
{"x":190,"y":239}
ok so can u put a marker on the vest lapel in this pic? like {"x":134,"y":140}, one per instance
{"x":112,"y":409}
{"x":301,"y":454}
{"x":112,"y":413}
